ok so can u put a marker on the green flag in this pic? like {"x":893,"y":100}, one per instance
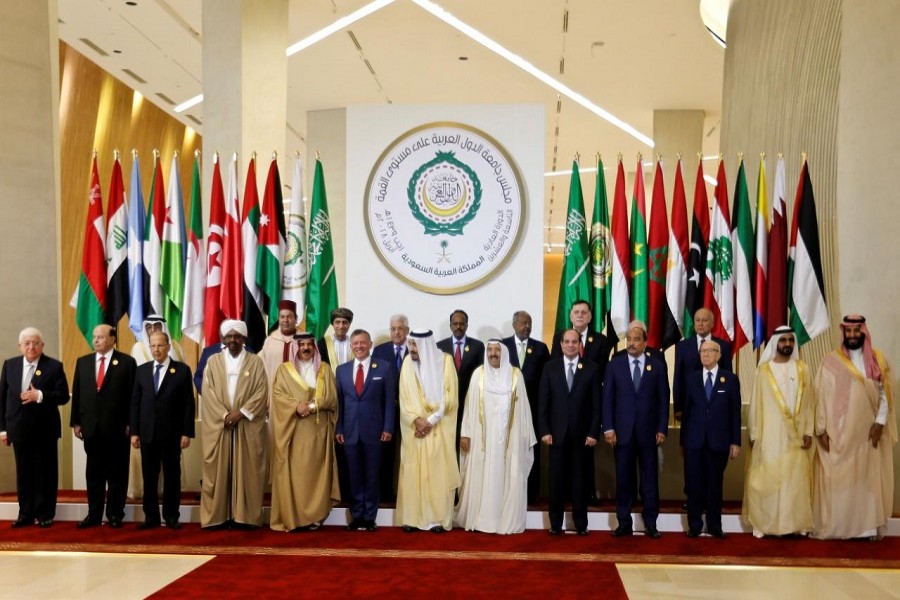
{"x":321,"y":291}
{"x":601,"y":270}
{"x":640,"y":280}
{"x":575,"y":280}
{"x":173,"y":254}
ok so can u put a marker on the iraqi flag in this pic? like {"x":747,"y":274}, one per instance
{"x":116,"y":248}
{"x":808,"y":312}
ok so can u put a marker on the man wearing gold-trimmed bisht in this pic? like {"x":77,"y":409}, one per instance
{"x":780,"y":421}
{"x":429,"y":474}
{"x":303,"y":416}
{"x":853,"y":491}
{"x":496,"y":447}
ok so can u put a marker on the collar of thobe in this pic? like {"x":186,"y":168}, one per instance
{"x":714,"y":372}
{"x":308,"y":373}
{"x":856,"y":357}
{"x":233,"y":363}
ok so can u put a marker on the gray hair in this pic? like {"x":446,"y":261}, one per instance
{"x":30,"y":332}
{"x":400,"y":317}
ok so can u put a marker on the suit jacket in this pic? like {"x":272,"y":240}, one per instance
{"x":363,"y":417}
{"x":636,"y":416}
{"x":536,"y":356}
{"x":105,"y":411}
{"x":385,"y":353}
{"x":472,"y":358}
{"x":33,"y":420}
{"x":657,"y":354}
{"x":687,"y":360}
{"x":167,"y":414}
{"x":717,"y":421}
{"x":563,"y":412}
{"x":207,"y":353}
{"x":596,"y":349}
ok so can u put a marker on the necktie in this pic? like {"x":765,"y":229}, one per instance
{"x":101,"y":371}
{"x":286,"y":353}
{"x":522,"y":349}
{"x":581,"y":349}
{"x":359,"y":380}
{"x":457,"y":356}
{"x":709,"y":385}
{"x":636,"y":375}
{"x":398,"y":356}
{"x":156,"y":377}
{"x":570,"y":375}
{"x":29,"y":374}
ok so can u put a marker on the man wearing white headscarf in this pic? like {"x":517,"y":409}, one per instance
{"x":496,"y":445}
{"x":303,"y":417}
{"x":853,"y":491}
{"x":233,"y":432}
{"x":777,"y":492}
{"x":429,"y":474}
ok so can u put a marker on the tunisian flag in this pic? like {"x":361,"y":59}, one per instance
{"x":658,"y":258}
{"x":215,"y":257}
{"x":230,"y":295}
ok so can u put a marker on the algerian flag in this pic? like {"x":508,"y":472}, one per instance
{"x":173,"y":254}
{"x":195,"y":269}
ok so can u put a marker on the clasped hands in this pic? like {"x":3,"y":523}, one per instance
{"x":232,"y":418}
{"x":423,"y":427}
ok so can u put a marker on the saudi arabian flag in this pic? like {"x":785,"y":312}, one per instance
{"x":575,"y":279}
{"x":321,"y":292}
{"x":601,"y":268}
{"x":640,"y":279}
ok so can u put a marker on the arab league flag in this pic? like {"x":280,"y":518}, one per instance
{"x":116,"y":248}
{"x":136,"y":232}
{"x":321,"y":292}
{"x":575,"y":280}
{"x":620,"y":307}
{"x":719,"y":293}
{"x":270,"y":253}
{"x":600,"y":251}
{"x":639,"y":262}
{"x":194,"y":269}
{"x":252,"y":303}
{"x":91,"y":296}
{"x":742,"y":242}
{"x":173,"y":255}
{"x":295,"y":254}
{"x":806,"y":289}
{"x":657,"y":261}
{"x":676,"y":272}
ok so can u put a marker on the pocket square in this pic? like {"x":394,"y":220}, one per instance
{"x":377,"y":378}
{"x":720,"y":391}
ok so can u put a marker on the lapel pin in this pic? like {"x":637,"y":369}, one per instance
{"x":37,"y":373}
{"x":722,"y":379}
{"x":172,"y":370}
{"x":528,"y":351}
{"x":590,"y":339}
{"x":374,"y":366}
{"x":467,"y":348}
{"x":649,"y":367}
{"x":115,"y":361}
{"x":580,"y":365}
{"x":246,"y":373}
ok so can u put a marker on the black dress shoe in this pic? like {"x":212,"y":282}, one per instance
{"x":22,"y":522}
{"x":621,"y":531}
{"x":115,"y":523}
{"x":88,"y":522}
{"x":717,"y":533}
{"x":371,"y":526}
{"x":652,"y":533}
{"x":356,"y":525}
{"x":438,"y":529}
{"x":554,"y":531}
{"x":45,"y":523}
{"x":173,"y":524}
{"x":148,"y":525}
{"x":409,"y":529}
{"x":582,"y":532}
{"x":692,"y":533}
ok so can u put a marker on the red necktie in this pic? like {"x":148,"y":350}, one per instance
{"x":101,"y":372}
{"x":457,"y":356}
{"x":359,"y":380}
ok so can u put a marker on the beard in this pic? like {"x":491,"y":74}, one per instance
{"x":786,"y":351}
{"x":855,"y":343}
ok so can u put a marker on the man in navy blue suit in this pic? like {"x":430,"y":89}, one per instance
{"x":366,"y":388}
{"x":687,"y":356}
{"x":392,"y":352}
{"x":710,"y":435}
{"x":635,"y":422}
{"x":468,"y":355}
{"x":530,"y":356}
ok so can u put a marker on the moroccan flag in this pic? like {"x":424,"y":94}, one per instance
{"x":215,"y":257}
{"x":639,"y":262}
{"x":174,"y":253}
{"x":742,"y":242}
{"x":252,"y":304}
{"x":776,"y":311}
{"x":696,"y":281}
{"x":231,"y":297}
{"x":116,"y":248}
{"x":761,"y":264}
{"x":91,"y":304}
{"x":194,"y":269}
{"x":136,"y":232}
{"x":620,"y":307}
{"x":658,"y":259}
{"x":575,"y":279}
{"x":676,"y":268}
{"x":719,"y":293}
{"x":600,"y":251}
{"x":321,"y":292}
{"x":156,"y":216}
{"x":806,"y":289}
{"x":295,"y":255}
{"x":270,"y":253}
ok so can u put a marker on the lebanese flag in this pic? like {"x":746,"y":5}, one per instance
{"x":742,"y":243}
{"x":760,"y":285}
{"x":719,"y":293}
{"x":620,"y":308}
{"x":231,"y":292}
{"x":156,"y":217}
{"x":194,"y":269}
{"x":676,"y":270}
{"x":696,"y":281}
{"x":252,"y":304}
{"x":658,"y":258}
{"x":91,"y":295}
{"x":116,"y":248}
{"x":215,"y":258}
{"x":776,"y":274}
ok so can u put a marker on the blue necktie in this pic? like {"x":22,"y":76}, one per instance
{"x":709,"y":385}
{"x":399,"y":358}
{"x":156,"y":377}
{"x":636,"y":375}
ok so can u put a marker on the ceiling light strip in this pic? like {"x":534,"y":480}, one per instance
{"x":341,"y":23}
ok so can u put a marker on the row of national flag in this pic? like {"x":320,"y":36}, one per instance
{"x":140,"y":261}
{"x":735,"y":260}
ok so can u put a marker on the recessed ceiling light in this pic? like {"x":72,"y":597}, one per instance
{"x":131,"y":3}
{"x":117,"y":52}
{"x":463,"y":58}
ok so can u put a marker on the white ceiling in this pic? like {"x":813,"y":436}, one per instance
{"x":628,"y":57}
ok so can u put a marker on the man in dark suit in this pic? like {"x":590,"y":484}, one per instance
{"x":162,"y":425}
{"x":635,"y":422}
{"x":101,"y":402}
{"x":529,"y":355}
{"x":710,"y":435}
{"x":687,"y":356}
{"x":569,"y":424}
{"x":32,"y":388}
{"x":366,"y":388}
{"x":468,"y":355}
{"x":392,"y":352}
